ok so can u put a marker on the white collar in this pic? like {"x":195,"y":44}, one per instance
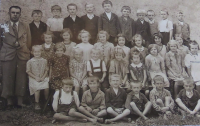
{"x":116,"y":90}
{"x":73,"y":17}
{"x":108,"y":13}
{"x":165,"y":19}
{"x":96,"y":60}
{"x":134,"y":65}
{"x":17,"y":23}
{"x":142,"y":21}
{"x":151,"y":22}
{"x":180,"y":22}
{"x":189,"y":94}
{"x":90,"y":16}
{"x":121,"y":46}
{"x":140,"y":49}
{"x":46,"y":45}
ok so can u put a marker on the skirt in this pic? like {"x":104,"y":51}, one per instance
{"x":35,"y":86}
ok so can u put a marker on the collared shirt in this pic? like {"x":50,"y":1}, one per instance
{"x":189,"y":94}
{"x":140,"y":49}
{"x":108,"y":15}
{"x":37,"y":24}
{"x":55,"y":24}
{"x":90,"y":16}
{"x":151,"y":21}
{"x":73,"y":18}
{"x":17,"y":23}
{"x":165,"y":25}
{"x":142,"y":21}
{"x":136,"y":65}
{"x":116,"y":90}
{"x":180,"y":22}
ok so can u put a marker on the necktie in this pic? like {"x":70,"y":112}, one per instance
{"x":16,"y":33}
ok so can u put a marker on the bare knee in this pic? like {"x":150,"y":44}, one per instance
{"x":72,"y":112}
{"x":132,"y":104}
{"x":56,"y":115}
{"x":110,"y":110}
{"x":81,"y":108}
{"x":159,"y":101}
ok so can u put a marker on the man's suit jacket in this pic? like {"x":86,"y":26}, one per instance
{"x":9,"y":50}
{"x":112,"y":26}
{"x":143,"y":29}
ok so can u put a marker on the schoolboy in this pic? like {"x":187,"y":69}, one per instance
{"x":127,"y":25}
{"x":93,"y":100}
{"x":66,"y":103}
{"x":142,"y":27}
{"x":165,"y":27}
{"x":161,"y":98}
{"x":188,"y":99}
{"x":181,"y":27}
{"x":109,"y":21}
{"x":137,"y":102}
{"x":37,"y":28}
{"x":115,"y":100}
{"x":152,"y":22}
{"x":90,"y":22}
{"x":55,"y":24}
{"x":192,"y":62}
{"x":73,"y":22}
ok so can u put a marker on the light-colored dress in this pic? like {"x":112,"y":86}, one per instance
{"x":37,"y":67}
{"x":106,"y":50}
{"x":176,"y":62}
{"x":86,"y":47}
{"x":184,"y":50}
{"x":69,"y":49}
{"x":155,"y":65}
{"x":78,"y":69}
{"x":162,"y":51}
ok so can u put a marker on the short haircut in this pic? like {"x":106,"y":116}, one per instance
{"x":89,"y":4}
{"x":68,"y":81}
{"x":106,"y":2}
{"x":72,"y":4}
{"x":37,"y":47}
{"x":115,"y":75}
{"x":136,"y":36}
{"x":153,"y":46}
{"x":94,"y":49}
{"x":119,"y":50}
{"x":151,"y":11}
{"x":126,"y":8}
{"x":141,"y":11}
{"x":165,"y":10}
{"x":158,"y":78}
{"x":36,"y":12}
{"x":82,"y":32}
{"x":16,"y":7}
{"x":56,"y":7}
{"x":48,"y":33}
{"x":92,"y":79}
{"x":193,"y":42}
{"x":75,"y":49}
{"x":103,"y":32}
{"x":172,"y":42}
{"x":188,"y":80}
{"x":135,"y":51}
{"x":158,"y":35}
{"x":179,"y":12}
{"x":59,"y":45}
{"x":68,"y":31}
{"x":135,"y":83}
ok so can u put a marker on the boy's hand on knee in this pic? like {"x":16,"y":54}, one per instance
{"x":88,"y":109}
{"x":95,"y":111}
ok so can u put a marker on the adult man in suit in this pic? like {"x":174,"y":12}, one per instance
{"x":14,"y":55}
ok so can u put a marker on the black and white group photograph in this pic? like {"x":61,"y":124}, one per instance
{"x":99,"y":62}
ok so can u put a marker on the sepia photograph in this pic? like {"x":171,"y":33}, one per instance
{"x":99,"y":62}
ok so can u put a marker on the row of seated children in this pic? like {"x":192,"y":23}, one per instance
{"x":110,"y":22}
{"x":95,"y":105}
{"x":79,"y":63}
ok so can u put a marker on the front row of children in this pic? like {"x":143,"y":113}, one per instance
{"x":118,"y":105}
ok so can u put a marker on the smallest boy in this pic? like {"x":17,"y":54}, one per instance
{"x":142,"y":27}
{"x":152,"y":23}
{"x":73,"y":22}
{"x":188,"y":99}
{"x":90,"y":22}
{"x":161,"y":98}
{"x":37,"y":28}
{"x":109,"y":22}
{"x":115,"y":100}
{"x":55,"y":24}
{"x":181,"y":27}
{"x":137,"y":102}
{"x":192,"y":62}
{"x":127,"y":25}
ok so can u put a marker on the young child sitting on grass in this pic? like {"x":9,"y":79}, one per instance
{"x":161,"y":98}
{"x":137,"y":102}
{"x":188,"y":99}
{"x":115,"y":101}
{"x":66,"y":103}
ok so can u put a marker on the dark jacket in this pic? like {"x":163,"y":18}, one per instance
{"x":112,"y":26}
{"x":36,"y":33}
